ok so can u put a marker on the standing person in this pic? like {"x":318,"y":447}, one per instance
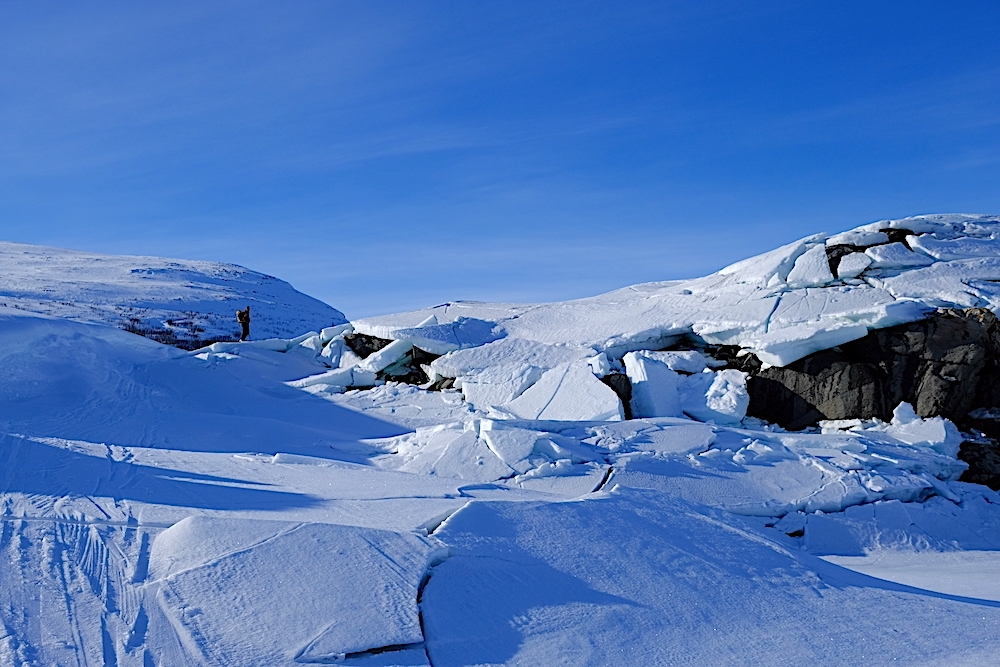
{"x":243,"y":317}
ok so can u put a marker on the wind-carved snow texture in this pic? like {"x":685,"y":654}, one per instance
{"x":284,"y":502}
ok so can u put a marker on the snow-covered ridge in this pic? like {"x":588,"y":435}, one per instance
{"x":170,"y":299}
{"x":818,"y":292}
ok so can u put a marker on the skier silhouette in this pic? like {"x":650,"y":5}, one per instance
{"x":243,"y":317}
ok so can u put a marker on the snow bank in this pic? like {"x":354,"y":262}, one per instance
{"x":235,"y":590}
{"x":164,"y":508}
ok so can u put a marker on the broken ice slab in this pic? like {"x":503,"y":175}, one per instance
{"x":858,"y":238}
{"x":960,"y":248}
{"x":896,"y":256}
{"x":788,"y":344}
{"x":771,"y":266}
{"x":498,"y":385}
{"x":852,"y":265}
{"x":654,"y":386}
{"x":568,"y":392}
{"x":463,"y":332}
{"x":512,"y":444}
{"x":811,"y":269}
{"x":563,"y":478}
{"x":452,"y":450}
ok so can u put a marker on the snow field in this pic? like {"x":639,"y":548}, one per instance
{"x":246,"y":504}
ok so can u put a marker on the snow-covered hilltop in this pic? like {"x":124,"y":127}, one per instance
{"x":809,"y":295}
{"x":495,"y":484}
{"x":171,"y":300}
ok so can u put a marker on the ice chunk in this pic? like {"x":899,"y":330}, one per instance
{"x":904,"y":414}
{"x":935,"y":432}
{"x":600,"y":364}
{"x":852,"y":265}
{"x":348,"y":358}
{"x":788,"y":344}
{"x":329,"y":333}
{"x":386,"y":356}
{"x":775,"y":264}
{"x":333,"y":351}
{"x":567,"y":392}
{"x":513,"y":445}
{"x":811,"y":269}
{"x":310,"y":348}
{"x":720,"y":397}
{"x":858,"y":238}
{"x":896,"y":256}
{"x":654,"y":386}
{"x":685,"y":361}
{"x":292,"y":342}
{"x":338,"y":377}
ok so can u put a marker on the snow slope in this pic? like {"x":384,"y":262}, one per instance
{"x":190,"y":299}
{"x":234,"y":506}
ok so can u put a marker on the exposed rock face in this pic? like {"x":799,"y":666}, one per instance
{"x":364,"y":346}
{"x":983,"y":457}
{"x":944,"y":365}
{"x":947,"y":365}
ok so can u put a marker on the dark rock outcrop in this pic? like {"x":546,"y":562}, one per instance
{"x":408,"y":367}
{"x":983,"y":457}
{"x":622,"y":386}
{"x":943,"y":365}
{"x":364,"y":345}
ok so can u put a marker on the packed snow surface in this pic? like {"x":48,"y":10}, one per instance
{"x":277,"y":502}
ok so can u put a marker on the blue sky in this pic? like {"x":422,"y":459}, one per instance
{"x":386,"y":156}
